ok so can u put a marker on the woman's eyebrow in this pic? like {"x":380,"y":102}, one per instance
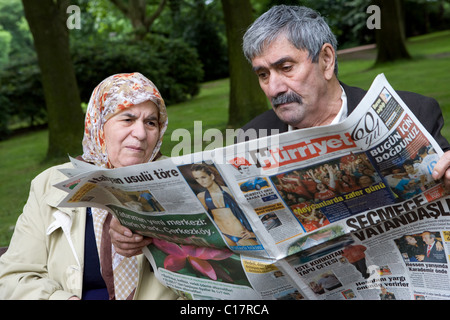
{"x":133,"y":116}
{"x":152,"y":117}
{"x":128,"y":115}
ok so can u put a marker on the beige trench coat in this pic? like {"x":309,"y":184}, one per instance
{"x":46,"y":253}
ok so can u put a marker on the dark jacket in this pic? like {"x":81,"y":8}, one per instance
{"x":426,"y":109}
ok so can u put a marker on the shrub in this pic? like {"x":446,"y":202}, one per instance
{"x":21,"y":94}
{"x":170,"y":64}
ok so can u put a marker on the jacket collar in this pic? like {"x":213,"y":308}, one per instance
{"x":354,"y":96}
{"x":54,"y":197}
{"x":64,"y":217}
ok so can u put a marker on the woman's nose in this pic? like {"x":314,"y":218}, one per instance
{"x":139,"y":130}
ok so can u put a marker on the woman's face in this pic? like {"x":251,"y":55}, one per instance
{"x":202,"y":178}
{"x":132,"y":134}
{"x":411,"y":240}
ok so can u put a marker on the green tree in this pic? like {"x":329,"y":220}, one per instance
{"x":246,"y":97}
{"x":12,"y":20}
{"x":47,"y":22}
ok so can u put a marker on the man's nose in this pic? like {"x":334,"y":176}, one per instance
{"x":276,"y":85}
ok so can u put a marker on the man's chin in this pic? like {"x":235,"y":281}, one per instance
{"x":287,"y":117}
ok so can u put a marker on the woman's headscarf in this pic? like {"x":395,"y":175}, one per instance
{"x":113,"y":95}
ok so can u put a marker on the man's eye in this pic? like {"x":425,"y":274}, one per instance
{"x":262,"y":75}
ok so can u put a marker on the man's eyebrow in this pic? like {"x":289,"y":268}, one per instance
{"x":281,"y":61}
{"x":274,"y":64}
{"x":257,"y":69}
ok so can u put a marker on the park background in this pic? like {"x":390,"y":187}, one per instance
{"x":52,"y":57}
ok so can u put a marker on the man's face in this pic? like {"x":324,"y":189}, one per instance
{"x":292,"y":82}
{"x":427,"y":238}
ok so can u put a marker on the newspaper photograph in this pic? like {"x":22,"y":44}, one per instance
{"x":346,"y":211}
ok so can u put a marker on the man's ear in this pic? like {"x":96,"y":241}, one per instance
{"x":327,"y":60}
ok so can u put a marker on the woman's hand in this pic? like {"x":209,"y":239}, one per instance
{"x":125,"y":242}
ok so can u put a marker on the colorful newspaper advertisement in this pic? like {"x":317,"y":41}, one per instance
{"x":346,"y":211}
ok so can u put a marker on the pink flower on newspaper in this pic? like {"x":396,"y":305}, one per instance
{"x":197,"y":257}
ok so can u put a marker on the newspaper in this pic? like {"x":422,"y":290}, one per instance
{"x":346,"y":211}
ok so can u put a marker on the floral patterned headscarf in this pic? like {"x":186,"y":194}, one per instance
{"x":113,"y":95}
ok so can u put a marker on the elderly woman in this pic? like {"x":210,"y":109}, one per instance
{"x":66,"y":253}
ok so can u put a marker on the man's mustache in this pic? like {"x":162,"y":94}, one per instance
{"x":288,"y":97}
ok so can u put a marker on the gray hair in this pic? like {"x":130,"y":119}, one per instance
{"x":302,"y":26}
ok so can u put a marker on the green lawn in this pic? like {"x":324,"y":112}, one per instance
{"x":428,"y":73}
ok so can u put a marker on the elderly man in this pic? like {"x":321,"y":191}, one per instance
{"x":293,"y":53}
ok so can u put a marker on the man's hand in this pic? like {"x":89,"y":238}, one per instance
{"x":125,"y":242}
{"x":442,"y":170}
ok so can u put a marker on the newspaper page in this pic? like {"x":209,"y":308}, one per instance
{"x":322,"y":213}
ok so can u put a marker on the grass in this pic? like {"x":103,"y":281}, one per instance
{"x":21,"y":159}
{"x":427,"y":73}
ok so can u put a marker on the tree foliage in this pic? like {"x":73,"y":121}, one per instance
{"x":204,"y":30}
{"x":138,"y":13}
{"x":100,"y":48}
{"x":177,"y":43}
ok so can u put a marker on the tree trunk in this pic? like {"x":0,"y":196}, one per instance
{"x":246,"y":97}
{"x":391,"y":41}
{"x":47,"y":21}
